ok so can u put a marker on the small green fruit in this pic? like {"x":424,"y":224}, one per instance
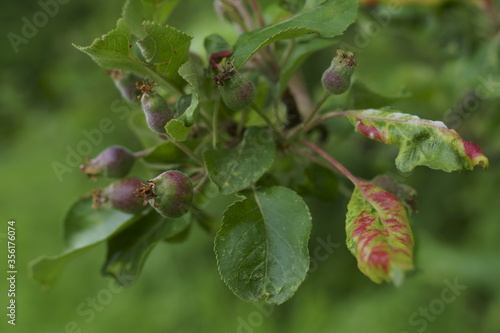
{"x":337,"y":78}
{"x":113,"y":162}
{"x":120,"y":195}
{"x":170,"y":194}
{"x":237,"y":92}
{"x":155,"y":108}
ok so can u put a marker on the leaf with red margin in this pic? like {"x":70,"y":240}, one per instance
{"x":422,"y":142}
{"x":378,"y":234}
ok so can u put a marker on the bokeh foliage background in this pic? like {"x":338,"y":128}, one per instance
{"x":439,"y":54}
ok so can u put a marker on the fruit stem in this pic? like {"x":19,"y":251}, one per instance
{"x":201,"y":183}
{"x":304,"y":126}
{"x":143,"y":153}
{"x":316,"y":108}
{"x":185,"y":149}
{"x":266,"y":118}
{"x":331,"y":160}
{"x":215,"y":117}
{"x":287,"y":53}
{"x":326,"y":116}
{"x":242,"y":122}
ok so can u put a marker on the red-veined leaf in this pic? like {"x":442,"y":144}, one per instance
{"x":378,"y":234}
{"x":421,"y":141}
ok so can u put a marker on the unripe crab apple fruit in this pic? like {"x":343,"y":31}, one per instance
{"x":337,"y":78}
{"x":155,"y":107}
{"x":120,"y":195}
{"x":113,"y":162}
{"x":170,"y":194}
{"x":125,"y":83}
{"x":236,"y":91}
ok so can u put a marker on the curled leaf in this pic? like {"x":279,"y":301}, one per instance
{"x":378,"y":234}
{"x":422,"y":142}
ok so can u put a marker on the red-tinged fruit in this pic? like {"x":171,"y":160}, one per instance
{"x":126,"y":83}
{"x":236,"y":91}
{"x":155,"y":107}
{"x":120,"y":195}
{"x":170,"y":194}
{"x":378,"y":234}
{"x":113,"y":162}
{"x":337,"y":78}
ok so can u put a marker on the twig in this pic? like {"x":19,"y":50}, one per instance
{"x":286,"y":54}
{"x":315,"y":159}
{"x":201,"y":183}
{"x":326,"y":116}
{"x":331,"y":160}
{"x":184,"y":148}
{"x":142,"y":153}
{"x":258,"y":13}
{"x":301,"y":128}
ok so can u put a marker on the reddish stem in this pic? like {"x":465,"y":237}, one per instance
{"x":330,"y":159}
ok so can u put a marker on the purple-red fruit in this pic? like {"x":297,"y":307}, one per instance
{"x":126,"y":84}
{"x":155,"y":107}
{"x":236,"y":91}
{"x":120,"y":195}
{"x":337,"y":78}
{"x":170,"y":194}
{"x":113,"y":162}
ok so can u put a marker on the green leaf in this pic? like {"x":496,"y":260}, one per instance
{"x":215,"y":43}
{"x":261,"y":247}
{"x":168,"y":153}
{"x":328,"y":19}
{"x":112,"y":51}
{"x":84,"y":228}
{"x":361,"y":97}
{"x":301,"y":51}
{"x":128,"y":250}
{"x":166,"y":48}
{"x":235,"y":169}
{"x":137,"y":11}
{"x":188,"y":72}
{"x":177,"y":130}
{"x":421,"y":142}
{"x":378,"y":234}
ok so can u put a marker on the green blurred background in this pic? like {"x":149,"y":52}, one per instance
{"x":51,"y":92}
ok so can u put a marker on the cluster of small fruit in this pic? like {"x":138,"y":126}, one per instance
{"x":171,"y":193}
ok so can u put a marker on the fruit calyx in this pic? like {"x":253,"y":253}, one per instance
{"x":337,"y":78}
